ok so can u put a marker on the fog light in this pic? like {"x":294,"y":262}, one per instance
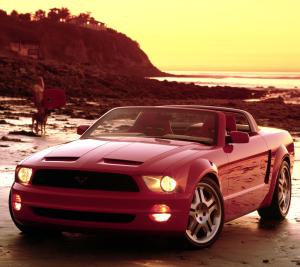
{"x":160,"y":217}
{"x":16,"y":203}
{"x":161,"y":213}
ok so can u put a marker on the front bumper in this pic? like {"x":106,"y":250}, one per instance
{"x":138,"y":204}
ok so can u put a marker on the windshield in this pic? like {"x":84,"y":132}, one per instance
{"x":154,"y":122}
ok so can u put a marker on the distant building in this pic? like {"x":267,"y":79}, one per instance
{"x":91,"y":24}
{"x":26,"y":50}
{"x":95,"y":25}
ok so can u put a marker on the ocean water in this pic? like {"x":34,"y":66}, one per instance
{"x":266,"y":80}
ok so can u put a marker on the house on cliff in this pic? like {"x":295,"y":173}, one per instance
{"x":97,"y":25}
{"x":90,"y":24}
{"x":26,"y":49}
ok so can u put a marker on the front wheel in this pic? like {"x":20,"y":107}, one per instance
{"x":281,"y":200}
{"x":206,"y":215}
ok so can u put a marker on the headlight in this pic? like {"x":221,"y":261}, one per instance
{"x":153,"y":183}
{"x":24,"y":175}
{"x":168,"y":184}
{"x":160,"y":183}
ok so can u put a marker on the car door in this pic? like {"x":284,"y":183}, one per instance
{"x":246,"y":172}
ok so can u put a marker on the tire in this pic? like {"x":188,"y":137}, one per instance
{"x":28,"y":230}
{"x":206,"y":215}
{"x":281,"y":199}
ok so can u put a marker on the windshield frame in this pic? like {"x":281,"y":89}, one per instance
{"x":87,"y":134}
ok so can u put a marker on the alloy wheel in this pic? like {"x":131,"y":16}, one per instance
{"x":284,"y":190}
{"x":205,"y":215}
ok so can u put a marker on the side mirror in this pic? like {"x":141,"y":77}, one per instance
{"x":82,"y":128}
{"x":239,"y":137}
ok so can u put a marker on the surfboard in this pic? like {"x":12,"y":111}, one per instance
{"x":54,"y":98}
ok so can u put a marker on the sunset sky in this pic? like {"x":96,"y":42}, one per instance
{"x":238,"y":35}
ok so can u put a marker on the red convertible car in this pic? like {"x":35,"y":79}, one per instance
{"x":182,"y":170}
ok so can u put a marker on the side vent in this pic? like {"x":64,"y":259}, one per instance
{"x":267,"y":177}
{"x":61,"y":158}
{"x":121,"y":162}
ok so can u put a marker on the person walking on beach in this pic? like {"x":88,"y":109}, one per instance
{"x":45,"y":100}
{"x":38,"y":92}
{"x":39,"y":119}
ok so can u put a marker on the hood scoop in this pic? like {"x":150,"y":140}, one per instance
{"x":121,"y":162}
{"x":61,"y":158}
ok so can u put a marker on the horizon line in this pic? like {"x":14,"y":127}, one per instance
{"x":220,"y":70}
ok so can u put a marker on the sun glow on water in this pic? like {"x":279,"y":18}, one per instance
{"x":269,"y":80}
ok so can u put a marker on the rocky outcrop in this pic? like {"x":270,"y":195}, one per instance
{"x":106,"y":50}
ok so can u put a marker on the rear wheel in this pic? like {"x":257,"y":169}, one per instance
{"x":281,"y":200}
{"x":206,"y":215}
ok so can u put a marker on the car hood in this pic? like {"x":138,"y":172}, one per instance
{"x":117,"y":154}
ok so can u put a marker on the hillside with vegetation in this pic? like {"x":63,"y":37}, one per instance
{"x":60,"y":37}
{"x":85,"y":58}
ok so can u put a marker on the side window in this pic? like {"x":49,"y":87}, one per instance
{"x":241,"y":121}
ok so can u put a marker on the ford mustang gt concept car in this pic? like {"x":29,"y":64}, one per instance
{"x":182,"y":170}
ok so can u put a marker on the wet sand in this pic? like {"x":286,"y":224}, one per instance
{"x":244,"y":242}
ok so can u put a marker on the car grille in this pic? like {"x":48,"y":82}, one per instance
{"x":85,"y":180}
{"x":84,"y":216}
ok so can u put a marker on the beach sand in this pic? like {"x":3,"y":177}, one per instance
{"x":244,"y":242}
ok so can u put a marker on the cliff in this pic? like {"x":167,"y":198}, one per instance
{"x":107,"y":50}
{"x":88,"y":63}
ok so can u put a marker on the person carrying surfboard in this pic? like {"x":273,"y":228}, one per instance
{"x":39,"y":119}
{"x":38,"y":92}
{"x":45,"y":100}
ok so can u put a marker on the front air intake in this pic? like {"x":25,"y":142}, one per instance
{"x":122,"y":162}
{"x":84,"y":216}
{"x":85,"y":180}
{"x":61,"y":158}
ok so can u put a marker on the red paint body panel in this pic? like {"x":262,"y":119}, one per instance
{"x":282,"y":148}
{"x":246,"y":187}
{"x":240,"y":170}
{"x":138,"y":203}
